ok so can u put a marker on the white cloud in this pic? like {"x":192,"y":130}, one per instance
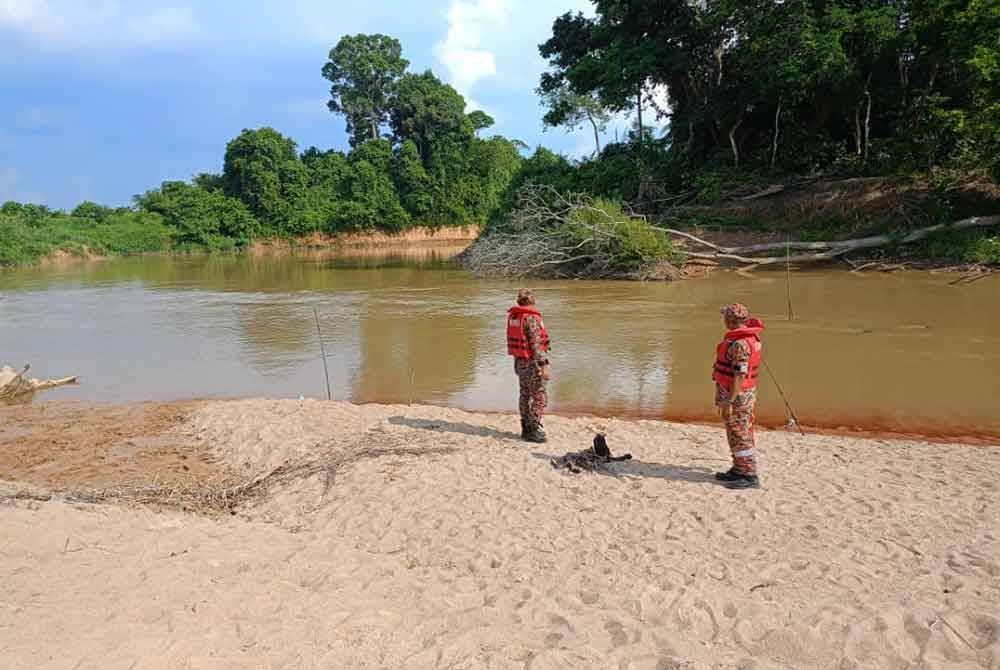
{"x":462,"y":51}
{"x":97,"y":24}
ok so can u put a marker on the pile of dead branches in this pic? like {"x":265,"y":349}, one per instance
{"x":556,"y":235}
{"x":225,"y":496}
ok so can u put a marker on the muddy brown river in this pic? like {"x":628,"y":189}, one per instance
{"x":903,"y":352}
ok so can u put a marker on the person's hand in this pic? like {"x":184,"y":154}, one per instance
{"x":546,"y":375}
{"x":726,"y":410}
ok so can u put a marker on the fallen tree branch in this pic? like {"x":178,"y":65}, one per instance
{"x":828,"y":250}
{"x":689,"y":236}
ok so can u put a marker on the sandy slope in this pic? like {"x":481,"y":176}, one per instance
{"x":474,"y":553}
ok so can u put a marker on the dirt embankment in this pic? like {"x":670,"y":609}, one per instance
{"x":841,"y":208}
{"x":450,"y":235}
{"x":451,"y":239}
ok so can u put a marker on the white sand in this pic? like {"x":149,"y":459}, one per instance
{"x":855,"y":554}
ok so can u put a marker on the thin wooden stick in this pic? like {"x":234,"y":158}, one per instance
{"x":788,"y":276}
{"x":791,"y":412}
{"x":322,"y":351}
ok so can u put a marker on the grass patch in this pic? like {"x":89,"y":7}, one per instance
{"x":27,"y":236}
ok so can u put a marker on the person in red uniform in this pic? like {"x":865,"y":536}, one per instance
{"x":737,"y":362}
{"x":528,"y":343}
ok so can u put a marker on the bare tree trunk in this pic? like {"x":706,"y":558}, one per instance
{"x":690,"y":138}
{"x":374,"y":128}
{"x":638,"y":105}
{"x":774,"y":143}
{"x":933,"y":79}
{"x":597,"y":137}
{"x":868,"y":117}
{"x":904,"y":78}
{"x":718,"y":63}
{"x":857,"y":130}
{"x":868,"y":123}
{"x":732,"y":140}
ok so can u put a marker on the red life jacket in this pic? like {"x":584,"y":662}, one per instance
{"x":723,"y":371}
{"x":517,"y":340}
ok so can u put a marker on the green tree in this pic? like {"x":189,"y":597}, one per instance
{"x":91,"y":210}
{"x":205,"y":218}
{"x":363,"y":71}
{"x":426,"y":111}
{"x":259,"y":170}
{"x":415,"y":186}
{"x":495,"y":162}
{"x":373,"y":199}
{"x":480,"y":120}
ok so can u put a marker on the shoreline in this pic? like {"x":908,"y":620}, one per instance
{"x":457,"y":239}
{"x":874,"y":430}
{"x":312,"y":533}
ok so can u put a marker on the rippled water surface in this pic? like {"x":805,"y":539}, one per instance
{"x":905,"y":351}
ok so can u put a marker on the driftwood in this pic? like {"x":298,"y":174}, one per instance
{"x":14,"y":385}
{"x":825,"y":251}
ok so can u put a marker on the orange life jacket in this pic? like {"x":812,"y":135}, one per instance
{"x":723,"y":371}
{"x":517,"y":339}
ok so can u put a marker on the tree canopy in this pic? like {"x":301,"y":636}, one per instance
{"x":793,"y":85}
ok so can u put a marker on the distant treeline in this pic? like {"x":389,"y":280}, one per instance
{"x":720,"y":93}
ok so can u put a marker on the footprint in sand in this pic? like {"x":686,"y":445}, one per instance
{"x":617,"y":631}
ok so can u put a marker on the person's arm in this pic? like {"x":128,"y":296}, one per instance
{"x":534,"y":336}
{"x":739,"y":358}
{"x":738,"y":379}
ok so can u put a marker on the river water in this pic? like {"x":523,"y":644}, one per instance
{"x":904,"y":352}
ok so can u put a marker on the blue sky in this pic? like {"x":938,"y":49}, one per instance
{"x":103,"y":99}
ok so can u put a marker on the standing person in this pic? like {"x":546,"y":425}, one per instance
{"x":528,"y":343}
{"x":737,"y":362}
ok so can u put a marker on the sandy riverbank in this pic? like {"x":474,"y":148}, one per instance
{"x":431,"y":538}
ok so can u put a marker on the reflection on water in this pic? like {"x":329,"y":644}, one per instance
{"x":905,"y":352}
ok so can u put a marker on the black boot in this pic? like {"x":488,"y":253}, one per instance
{"x":534,"y":433}
{"x":741,"y":481}
{"x":728,"y":476}
{"x":524,"y":429}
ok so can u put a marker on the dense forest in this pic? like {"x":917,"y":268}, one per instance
{"x":720,"y":94}
{"x":803,"y":86}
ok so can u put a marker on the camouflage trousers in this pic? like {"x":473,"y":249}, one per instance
{"x":740,"y":432}
{"x":534,"y":398}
